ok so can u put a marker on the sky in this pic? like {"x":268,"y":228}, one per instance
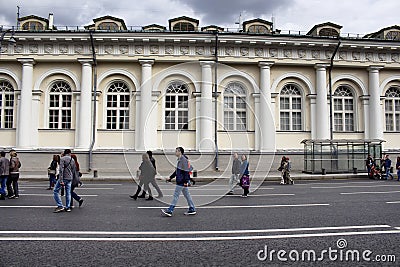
{"x":356,"y":16}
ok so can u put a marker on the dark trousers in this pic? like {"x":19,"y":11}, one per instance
{"x":245,"y":191}
{"x":74,"y":195}
{"x":146,"y":188}
{"x":12,"y":185}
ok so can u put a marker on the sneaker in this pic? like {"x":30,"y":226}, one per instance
{"x":142,"y":196}
{"x":244,"y":196}
{"x":166,"y":212}
{"x":68,"y":209}
{"x":190,"y":212}
{"x":292,"y":182}
{"x":11,"y":197}
{"x":16,"y":197}
{"x":230,"y":193}
{"x":80,"y":202}
{"x":58,"y":209}
{"x":150,"y":198}
{"x":134,"y":197}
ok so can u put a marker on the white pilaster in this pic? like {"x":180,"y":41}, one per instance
{"x":35,"y":117}
{"x":265,"y":118}
{"x":365,"y":107}
{"x":313,"y":111}
{"x":375,"y":109}
{"x":147,"y":133}
{"x":322,"y":112}
{"x":83,"y":129}
{"x":24,"y":125}
{"x":206,"y":108}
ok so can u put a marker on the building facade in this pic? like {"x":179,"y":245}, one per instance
{"x":155,"y":87}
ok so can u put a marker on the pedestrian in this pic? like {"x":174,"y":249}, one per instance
{"x":153,"y":180}
{"x":182,"y":183}
{"x":398,"y":168}
{"x":147,"y":174}
{"x":4,"y":173}
{"x":12,"y":181}
{"x":369,"y":162}
{"x":52,"y":172}
{"x":388,"y":165}
{"x":75,"y":183}
{"x":235,"y":173}
{"x":244,"y":176}
{"x":67,"y":173}
{"x":287,"y":166}
{"x":280,"y":169}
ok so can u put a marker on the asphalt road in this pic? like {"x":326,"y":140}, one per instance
{"x":337,"y":220}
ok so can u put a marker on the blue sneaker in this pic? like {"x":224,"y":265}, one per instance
{"x":166,"y":212}
{"x":190,"y":212}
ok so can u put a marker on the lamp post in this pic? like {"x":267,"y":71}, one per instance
{"x":330,"y":90}
{"x":11,"y":40}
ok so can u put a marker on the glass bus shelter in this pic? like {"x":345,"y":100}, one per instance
{"x":339,"y":156}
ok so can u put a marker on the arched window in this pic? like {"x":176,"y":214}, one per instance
{"x":32,"y":26}
{"x":183,"y":26}
{"x":343,"y":108}
{"x":6,"y":105}
{"x":328,"y":32}
{"x":177,"y":106}
{"x":60,"y":106}
{"x":290,"y":108}
{"x":258,"y":29}
{"x":392,"y":109}
{"x":117,"y":110}
{"x":108,"y":26}
{"x":393,"y":35}
{"x":235,"y":115}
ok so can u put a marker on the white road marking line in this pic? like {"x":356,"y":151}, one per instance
{"x":338,"y":183}
{"x":215,"y":238}
{"x":393,"y":202}
{"x":210,"y":189}
{"x":359,"y":193}
{"x":250,"y":231}
{"x":354,"y":186}
{"x":249,"y":206}
{"x":30,"y":207}
{"x":51,"y":195}
{"x":237,"y":195}
{"x":80,"y":188}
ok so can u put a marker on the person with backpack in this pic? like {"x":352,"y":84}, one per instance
{"x":66,"y":175}
{"x":398,"y":168}
{"x":75,"y":182}
{"x":4,"y":173}
{"x":52,"y":172}
{"x":182,"y":183}
{"x":12,"y":181}
{"x":244,"y":176}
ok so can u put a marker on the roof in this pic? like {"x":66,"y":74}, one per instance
{"x":257,"y":20}
{"x":324,"y":24}
{"x":111,"y":18}
{"x":33,"y":17}
{"x":375,"y":34}
{"x":184,"y":18}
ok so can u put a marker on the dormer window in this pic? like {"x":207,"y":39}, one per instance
{"x":183,"y":24}
{"x":154,"y":28}
{"x":109,"y":26}
{"x":327,"y":29}
{"x":393,"y":35}
{"x":32,"y":26}
{"x":257,"y":26}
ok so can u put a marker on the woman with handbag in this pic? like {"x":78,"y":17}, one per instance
{"x":52,"y":171}
{"x":244,"y":176}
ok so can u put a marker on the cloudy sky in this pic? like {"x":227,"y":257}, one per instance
{"x":356,"y":16}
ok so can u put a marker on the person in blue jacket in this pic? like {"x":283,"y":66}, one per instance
{"x":182,"y":183}
{"x":388,"y":165}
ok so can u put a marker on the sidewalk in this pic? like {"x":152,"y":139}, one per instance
{"x":271,"y":176}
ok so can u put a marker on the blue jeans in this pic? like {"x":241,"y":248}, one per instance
{"x":388,"y":173}
{"x":52,"y":179}
{"x":398,"y":175}
{"x":186,"y":194}
{"x":57,"y":197}
{"x":3,"y":181}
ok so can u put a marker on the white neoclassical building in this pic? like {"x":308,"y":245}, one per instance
{"x":155,"y":88}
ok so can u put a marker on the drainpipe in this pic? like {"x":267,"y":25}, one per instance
{"x":330,"y":90}
{"x":216,"y":102}
{"x":94,"y":101}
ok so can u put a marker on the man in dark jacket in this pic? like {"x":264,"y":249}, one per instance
{"x":67,"y":173}
{"x":182,"y":181}
{"x":4,"y":173}
{"x":388,"y":165}
{"x":235,"y":173}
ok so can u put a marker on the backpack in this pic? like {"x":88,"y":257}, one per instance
{"x":245,"y":181}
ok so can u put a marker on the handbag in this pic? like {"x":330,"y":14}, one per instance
{"x":245,"y":181}
{"x":50,"y":171}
